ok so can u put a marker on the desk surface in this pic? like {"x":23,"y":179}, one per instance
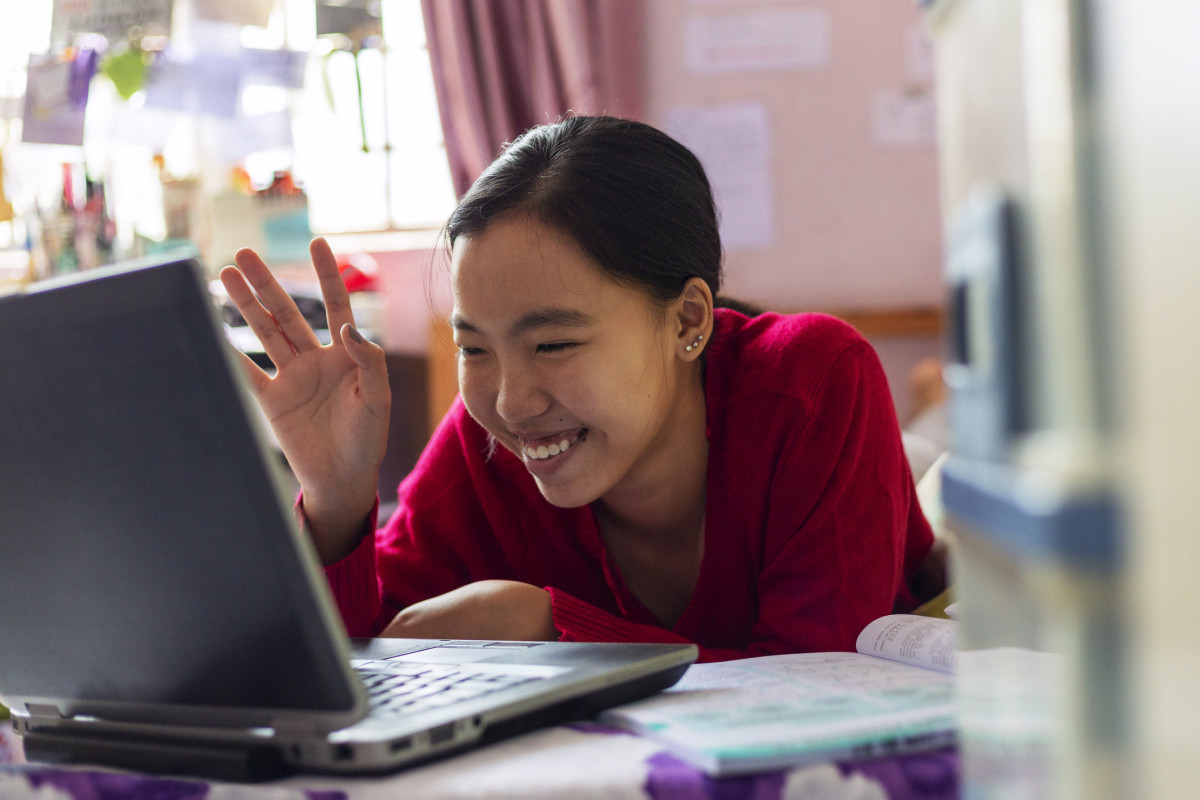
{"x":582,"y":761}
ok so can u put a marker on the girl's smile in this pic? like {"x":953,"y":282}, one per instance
{"x":540,"y":448}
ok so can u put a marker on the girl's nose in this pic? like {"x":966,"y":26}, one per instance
{"x":519,"y":397}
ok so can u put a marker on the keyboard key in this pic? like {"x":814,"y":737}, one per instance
{"x":405,"y":687}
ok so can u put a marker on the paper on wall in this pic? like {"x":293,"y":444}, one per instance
{"x":904,"y":119}
{"x":237,"y":138}
{"x":284,"y":68}
{"x":207,"y":84}
{"x":758,"y":41}
{"x":733,"y":143}
{"x":238,"y":12}
{"x":919,"y":55}
{"x":149,"y":127}
{"x":50,"y":117}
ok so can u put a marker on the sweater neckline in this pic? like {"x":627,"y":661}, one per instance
{"x":632,"y":608}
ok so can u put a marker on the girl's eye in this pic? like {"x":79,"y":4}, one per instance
{"x":469,"y":351}
{"x":555,"y":347}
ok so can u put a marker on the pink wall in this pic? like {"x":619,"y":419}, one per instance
{"x":856,"y":219}
{"x":416,"y":292}
{"x":852,"y":193}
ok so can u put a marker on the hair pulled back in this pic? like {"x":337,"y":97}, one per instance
{"x":635,"y":200}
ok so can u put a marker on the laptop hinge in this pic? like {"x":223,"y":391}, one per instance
{"x":291,"y":727}
{"x":43,"y":710}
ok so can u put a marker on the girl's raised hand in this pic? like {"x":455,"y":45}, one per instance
{"x":328,"y":405}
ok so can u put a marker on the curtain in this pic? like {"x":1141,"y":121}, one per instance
{"x":502,"y":66}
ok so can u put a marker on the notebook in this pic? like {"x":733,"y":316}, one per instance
{"x":159,"y":607}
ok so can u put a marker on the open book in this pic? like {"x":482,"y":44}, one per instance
{"x":896,"y":694}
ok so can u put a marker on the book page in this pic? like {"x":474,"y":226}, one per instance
{"x":774,"y":711}
{"x":921,"y":641}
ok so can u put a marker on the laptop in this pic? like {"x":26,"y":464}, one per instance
{"x":161,"y":610}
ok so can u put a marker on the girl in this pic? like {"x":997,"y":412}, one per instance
{"x":625,"y":463}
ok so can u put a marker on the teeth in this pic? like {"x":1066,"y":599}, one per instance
{"x":544,"y":451}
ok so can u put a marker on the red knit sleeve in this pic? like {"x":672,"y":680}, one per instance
{"x":838,"y":554}
{"x":353,"y":582}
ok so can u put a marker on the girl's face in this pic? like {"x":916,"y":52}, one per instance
{"x":571,"y":371}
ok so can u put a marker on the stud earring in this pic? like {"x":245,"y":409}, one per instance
{"x":694,"y":345}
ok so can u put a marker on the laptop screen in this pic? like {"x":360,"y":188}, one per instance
{"x":147,"y":560}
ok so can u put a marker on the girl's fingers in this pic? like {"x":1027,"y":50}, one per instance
{"x":333,"y":288}
{"x":278,"y":303}
{"x":277,"y":346}
{"x":372,"y":365}
{"x":259,"y":379}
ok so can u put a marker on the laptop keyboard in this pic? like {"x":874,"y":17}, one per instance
{"x":404,"y":688}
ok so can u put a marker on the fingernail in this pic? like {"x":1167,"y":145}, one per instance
{"x":354,"y":334}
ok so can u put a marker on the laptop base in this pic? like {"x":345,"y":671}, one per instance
{"x":241,"y":763}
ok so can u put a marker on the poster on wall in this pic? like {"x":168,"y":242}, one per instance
{"x":283,"y":68}
{"x":237,"y":12}
{"x":733,"y":143}
{"x":919,"y":56}
{"x":245,"y":135}
{"x":206,"y":84}
{"x":761,"y":41}
{"x":50,"y":115}
{"x":113,"y":19}
{"x":904,"y":118}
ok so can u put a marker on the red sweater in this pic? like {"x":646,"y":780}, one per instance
{"x":811,"y":523}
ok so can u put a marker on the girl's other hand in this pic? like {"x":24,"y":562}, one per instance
{"x":328,"y":405}
{"x":493,"y":609}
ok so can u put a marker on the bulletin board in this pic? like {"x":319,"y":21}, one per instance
{"x":817,"y":124}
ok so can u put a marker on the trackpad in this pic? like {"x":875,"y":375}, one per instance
{"x":450,"y":655}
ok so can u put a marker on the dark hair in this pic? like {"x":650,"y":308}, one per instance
{"x":635,"y":200}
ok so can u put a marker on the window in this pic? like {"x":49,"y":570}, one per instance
{"x":368,"y":139}
{"x":24,"y":28}
{"x":369,"y":159}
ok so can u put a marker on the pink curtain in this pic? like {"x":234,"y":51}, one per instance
{"x":503,"y":66}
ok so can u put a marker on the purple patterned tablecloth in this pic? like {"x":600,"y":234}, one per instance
{"x":99,"y":785}
{"x":923,"y":776}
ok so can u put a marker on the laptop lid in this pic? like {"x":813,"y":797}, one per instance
{"x":142,"y":576}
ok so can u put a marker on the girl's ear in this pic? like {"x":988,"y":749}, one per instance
{"x":693,"y":314}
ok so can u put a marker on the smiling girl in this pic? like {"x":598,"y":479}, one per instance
{"x":625,"y":462}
